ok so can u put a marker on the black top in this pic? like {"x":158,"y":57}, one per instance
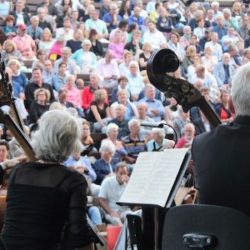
{"x":41,"y":199}
{"x":221,"y":163}
{"x":74,"y":45}
{"x":102,"y":112}
{"x":36,"y":111}
{"x":31,"y":88}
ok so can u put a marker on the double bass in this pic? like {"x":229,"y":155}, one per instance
{"x":160,"y":69}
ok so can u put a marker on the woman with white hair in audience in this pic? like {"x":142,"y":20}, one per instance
{"x":103,"y":166}
{"x":112,"y":131}
{"x":45,"y":194}
{"x":85,"y":58}
{"x":158,"y":141}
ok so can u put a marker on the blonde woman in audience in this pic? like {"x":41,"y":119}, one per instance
{"x":99,"y":113}
{"x":209,"y":60}
{"x":46,"y":41}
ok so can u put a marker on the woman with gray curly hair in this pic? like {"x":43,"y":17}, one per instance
{"x":44,"y":195}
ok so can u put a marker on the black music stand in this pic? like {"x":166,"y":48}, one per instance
{"x":152,"y":212}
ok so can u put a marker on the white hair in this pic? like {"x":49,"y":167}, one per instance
{"x":241,"y":90}
{"x":58,"y":136}
{"x":133,"y":121}
{"x":110,"y":127}
{"x":107,"y":146}
{"x":159,"y":131}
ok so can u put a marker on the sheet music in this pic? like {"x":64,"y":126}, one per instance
{"x":153,"y":177}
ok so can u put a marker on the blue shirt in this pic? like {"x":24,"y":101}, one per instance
{"x":154,"y":104}
{"x":102,"y":168}
{"x":107,"y":18}
{"x":83,"y":161}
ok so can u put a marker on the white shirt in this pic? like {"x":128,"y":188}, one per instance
{"x":216,"y":49}
{"x":111,"y":190}
{"x":156,"y":38}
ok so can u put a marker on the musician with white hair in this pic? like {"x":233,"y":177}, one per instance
{"x":44,"y":195}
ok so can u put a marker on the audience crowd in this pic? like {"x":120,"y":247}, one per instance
{"x":89,"y":58}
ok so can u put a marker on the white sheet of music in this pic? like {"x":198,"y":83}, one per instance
{"x":153,"y":177}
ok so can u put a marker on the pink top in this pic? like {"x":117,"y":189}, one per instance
{"x":73,"y":96}
{"x":117,"y":49}
{"x":25,"y":44}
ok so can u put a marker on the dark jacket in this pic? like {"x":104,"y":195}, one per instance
{"x":221,"y":163}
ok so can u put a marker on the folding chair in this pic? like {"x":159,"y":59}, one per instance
{"x":205,"y":227}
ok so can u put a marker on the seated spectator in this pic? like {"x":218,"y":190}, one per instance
{"x":18,"y":79}
{"x":158,"y":141}
{"x":10,"y":52}
{"x":24,"y":43}
{"x":187,"y":139}
{"x":123,"y":27}
{"x":102,"y":166}
{"x":46,"y":41}
{"x":76,"y":42}
{"x":85,"y":58}
{"x":124,"y":66}
{"x":99,"y":113}
{"x":174,"y":45}
{"x":88,"y":91}
{"x":154,"y":36}
{"x":62,"y":99}
{"x":110,"y":193}
{"x":20,"y":15}
{"x":215,"y":45}
{"x":120,"y":120}
{"x":9,"y":29}
{"x":112,"y":18}
{"x":86,"y":139}
{"x":188,"y":58}
{"x":46,"y":21}
{"x":164,"y":22}
{"x":145,"y":55}
{"x":95,"y":23}
{"x":117,"y":46}
{"x":72,"y":68}
{"x":59,"y":79}
{"x":125,"y":9}
{"x":155,"y":108}
{"x":33,"y":29}
{"x":209,"y":60}
{"x":42,"y":57}
{"x":66,"y":31}
{"x":36,"y":83}
{"x":232,"y":37}
{"x":123,"y":98}
{"x":185,"y":39}
{"x":223,"y":107}
{"x":40,"y":105}
{"x":107,"y":68}
{"x":135,"y":81}
{"x":112,"y":131}
{"x":48,"y":72}
{"x":73,"y":93}
{"x":142,"y":108}
{"x":223,"y":71}
{"x":122,"y":85}
{"x":137,"y":18}
{"x":134,"y":44}
{"x":133,"y":142}
{"x":96,"y":45}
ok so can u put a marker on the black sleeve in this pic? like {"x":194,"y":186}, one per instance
{"x":79,"y":232}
